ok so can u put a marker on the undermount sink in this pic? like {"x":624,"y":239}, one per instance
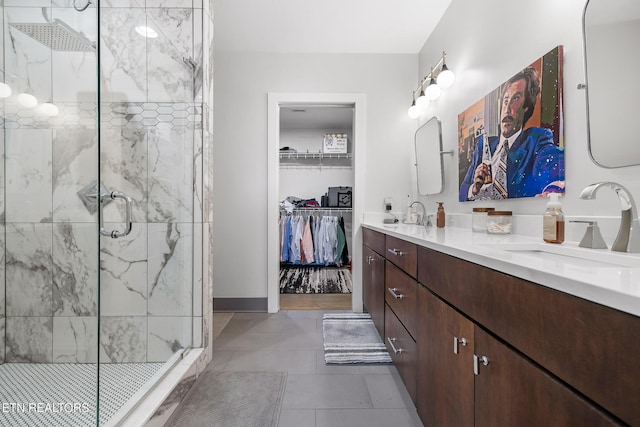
{"x":569,"y":254}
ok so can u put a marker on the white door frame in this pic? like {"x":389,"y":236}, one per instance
{"x":275,"y":100}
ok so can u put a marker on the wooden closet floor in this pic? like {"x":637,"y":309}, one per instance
{"x":315,"y":301}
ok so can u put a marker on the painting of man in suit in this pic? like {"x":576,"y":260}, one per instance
{"x":517,"y":140}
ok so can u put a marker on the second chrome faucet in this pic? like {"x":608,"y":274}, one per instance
{"x":628,"y":238}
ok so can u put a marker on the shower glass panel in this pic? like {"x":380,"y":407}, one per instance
{"x":101,"y":214}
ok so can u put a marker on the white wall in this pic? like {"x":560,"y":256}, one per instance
{"x":489,"y":41}
{"x":241,"y":84}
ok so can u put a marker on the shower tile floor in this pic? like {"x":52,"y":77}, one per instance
{"x":65,"y":394}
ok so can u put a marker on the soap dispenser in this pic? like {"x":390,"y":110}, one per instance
{"x":553,"y":221}
{"x":440,"y":215}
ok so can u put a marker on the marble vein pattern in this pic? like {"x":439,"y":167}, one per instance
{"x":75,"y":165}
{"x":75,"y":339}
{"x":29,"y":269}
{"x":171,"y":3}
{"x":28,"y":194}
{"x":170,"y":173}
{"x":166,"y":336}
{"x":123,"y":56}
{"x":123,"y":273}
{"x":198,"y":52}
{"x":123,"y":339}
{"x":75,"y":269}
{"x":170,"y":270}
{"x":124,"y":168}
{"x":29,"y":339}
{"x":170,"y":79}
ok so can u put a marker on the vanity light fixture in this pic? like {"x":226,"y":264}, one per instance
{"x":440,"y":77}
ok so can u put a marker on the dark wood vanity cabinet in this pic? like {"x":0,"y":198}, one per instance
{"x":494,"y":350}
{"x":373,"y":276}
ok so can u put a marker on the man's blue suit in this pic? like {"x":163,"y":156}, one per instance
{"x":533,"y":162}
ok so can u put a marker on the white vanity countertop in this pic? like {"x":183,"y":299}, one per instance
{"x":597,"y":275}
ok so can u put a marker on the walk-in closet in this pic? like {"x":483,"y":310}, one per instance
{"x":315,"y":192}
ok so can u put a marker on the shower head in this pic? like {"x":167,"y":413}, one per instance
{"x":56,"y":35}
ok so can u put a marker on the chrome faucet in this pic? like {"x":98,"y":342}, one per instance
{"x":421,"y":220}
{"x":628,"y":238}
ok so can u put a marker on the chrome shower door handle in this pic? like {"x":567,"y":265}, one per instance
{"x":114,"y":234}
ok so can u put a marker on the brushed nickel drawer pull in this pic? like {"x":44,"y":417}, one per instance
{"x":395,"y":295}
{"x":396,"y":252}
{"x":393,"y":347}
{"x":456,"y":341}
{"x":476,"y":363}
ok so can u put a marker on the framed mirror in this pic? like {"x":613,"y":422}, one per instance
{"x":429,"y":165}
{"x":612,"y":59}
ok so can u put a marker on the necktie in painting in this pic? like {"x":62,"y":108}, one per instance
{"x":500,"y":178}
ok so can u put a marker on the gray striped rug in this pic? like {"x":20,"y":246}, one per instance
{"x":352,"y":338}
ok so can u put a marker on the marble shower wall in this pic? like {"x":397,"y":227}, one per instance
{"x":152,"y":112}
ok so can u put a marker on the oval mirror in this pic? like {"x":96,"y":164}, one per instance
{"x":612,"y":59}
{"x":429,"y":167}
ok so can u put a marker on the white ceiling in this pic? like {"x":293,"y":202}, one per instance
{"x":325,"y":26}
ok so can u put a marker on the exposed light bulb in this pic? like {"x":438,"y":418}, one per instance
{"x":446,"y":77}
{"x":414,"y":111}
{"x":5,"y":90}
{"x":49,"y":109}
{"x":433,"y":91}
{"x":422,"y":102}
{"x":147,"y":32}
{"x":27,"y":100}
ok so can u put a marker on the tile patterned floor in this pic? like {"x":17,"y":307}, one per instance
{"x":316,"y":395}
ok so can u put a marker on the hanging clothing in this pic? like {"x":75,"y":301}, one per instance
{"x":312,"y":240}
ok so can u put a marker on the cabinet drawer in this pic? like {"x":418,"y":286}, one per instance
{"x":405,"y":355}
{"x":374,"y":240}
{"x":400,"y":294}
{"x":403,"y":254}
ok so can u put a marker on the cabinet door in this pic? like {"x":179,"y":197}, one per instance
{"x":445,"y":388}
{"x":511,"y":391}
{"x":373,"y":286}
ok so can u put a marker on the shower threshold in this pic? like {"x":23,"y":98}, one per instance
{"x":33,"y":394}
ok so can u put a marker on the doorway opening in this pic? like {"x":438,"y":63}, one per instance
{"x":314,"y":192}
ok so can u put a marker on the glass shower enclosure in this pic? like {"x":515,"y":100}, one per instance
{"x":101,"y":205}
